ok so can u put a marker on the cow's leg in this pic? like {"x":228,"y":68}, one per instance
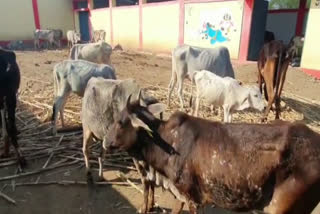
{"x":62,"y":110}
{"x":87,"y":140}
{"x":192,"y":208}
{"x":58,"y":107}
{"x":171,"y":86}
{"x":279,"y":87}
{"x":285,"y":195}
{"x":4,"y":133}
{"x":151,"y":196}
{"x":180,"y":79}
{"x":269,"y":69}
{"x":11,"y":102}
{"x":101,"y":159}
{"x":177,"y":209}
{"x":226,"y":114}
{"x":146,"y":188}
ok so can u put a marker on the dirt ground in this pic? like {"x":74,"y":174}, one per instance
{"x":301,"y":102}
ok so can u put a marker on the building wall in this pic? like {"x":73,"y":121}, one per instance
{"x":126,"y":31}
{"x":56,"y":14}
{"x":17,"y":22}
{"x":283,"y":25}
{"x":311,"y":53}
{"x":225,"y":19}
{"x":160,"y":27}
{"x":100,"y":20}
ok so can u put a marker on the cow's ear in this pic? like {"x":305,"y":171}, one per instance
{"x":157,"y":108}
{"x":136,"y":123}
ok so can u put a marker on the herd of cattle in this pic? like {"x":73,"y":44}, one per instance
{"x":272,"y":167}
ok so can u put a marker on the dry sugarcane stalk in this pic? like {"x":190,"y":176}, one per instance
{"x":65,"y":182}
{"x":123,"y":177}
{"x":34,"y":134}
{"x":96,"y":162}
{"x":27,"y":157}
{"x":36,"y":80}
{"x":31,"y":104}
{"x":7,"y":198}
{"x":37,"y":171}
{"x":50,"y":157}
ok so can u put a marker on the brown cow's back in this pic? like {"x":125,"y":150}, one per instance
{"x":234,"y":164}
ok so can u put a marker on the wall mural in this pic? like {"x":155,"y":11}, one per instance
{"x":217,"y":27}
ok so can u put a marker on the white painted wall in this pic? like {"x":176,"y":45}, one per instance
{"x":283,"y":25}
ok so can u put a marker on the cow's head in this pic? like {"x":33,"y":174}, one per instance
{"x":77,"y":37}
{"x":253,"y":99}
{"x":134,"y":121}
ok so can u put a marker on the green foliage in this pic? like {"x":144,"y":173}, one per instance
{"x":283,"y":4}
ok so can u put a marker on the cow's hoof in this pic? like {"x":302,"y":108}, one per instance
{"x":264,"y":119}
{"x":4,"y":155}
{"x":101,"y":179}
{"x":89,"y":178}
{"x":22,"y":162}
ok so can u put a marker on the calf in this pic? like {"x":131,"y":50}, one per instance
{"x":236,"y":166}
{"x":187,"y":59}
{"x":58,"y":35}
{"x":99,"y":52}
{"x":9,"y":85}
{"x":73,"y":38}
{"x":273,"y":62}
{"x":73,"y":76}
{"x":103,"y":100}
{"x":98,"y":35}
{"x":226,"y":92}
{"x":47,"y":35}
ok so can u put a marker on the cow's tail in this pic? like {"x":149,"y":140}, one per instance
{"x":55,"y":89}
{"x":72,"y":53}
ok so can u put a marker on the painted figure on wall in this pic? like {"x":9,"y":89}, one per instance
{"x":219,"y":32}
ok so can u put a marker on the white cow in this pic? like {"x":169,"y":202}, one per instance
{"x":187,"y":59}
{"x":227,"y":93}
{"x":73,"y":76}
{"x":73,"y":38}
{"x":50,"y":36}
{"x":99,"y":52}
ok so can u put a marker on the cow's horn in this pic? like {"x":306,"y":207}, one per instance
{"x":139,"y":96}
{"x":128,"y":101}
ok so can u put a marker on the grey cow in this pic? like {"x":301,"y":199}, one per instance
{"x":73,"y":76}
{"x":101,"y":104}
{"x":50,"y":36}
{"x":187,"y":59}
{"x":99,"y":52}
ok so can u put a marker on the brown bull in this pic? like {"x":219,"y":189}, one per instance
{"x":273,"y":62}
{"x":240,"y":167}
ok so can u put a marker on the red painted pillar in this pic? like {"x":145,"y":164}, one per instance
{"x":89,"y":20}
{"x":36,"y":14}
{"x":181,"y":22}
{"x":300,"y":18}
{"x":140,"y":25}
{"x":246,"y":27}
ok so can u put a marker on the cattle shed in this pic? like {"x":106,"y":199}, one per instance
{"x":158,"y":26}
